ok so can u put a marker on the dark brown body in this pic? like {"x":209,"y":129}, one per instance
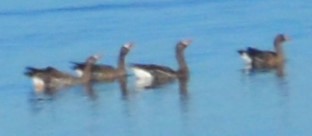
{"x":101,"y":72}
{"x":163,"y":74}
{"x":267,"y":59}
{"x":50,"y":78}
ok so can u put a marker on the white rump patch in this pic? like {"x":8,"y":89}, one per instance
{"x":141,"y":74}
{"x":144,"y":78}
{"x":79,"y":72}
{"x":128,"y":45}
{"x":142,"y":83}
{"x":246,"y":58}
{"x":38,"y":83}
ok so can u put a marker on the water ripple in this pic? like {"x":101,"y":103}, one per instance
{"x":148,"y":5}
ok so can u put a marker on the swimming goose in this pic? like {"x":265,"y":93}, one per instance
{"x":101,"y":72}
{"x":261,"y":59}
{"x":50,"y":78}
{"x":157,"y":74}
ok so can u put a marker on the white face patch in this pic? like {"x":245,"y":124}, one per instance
{"x":128,"y":45}
{"x":96,"y":56}
{"x":186,"y":42}
{"x":246,"y":58}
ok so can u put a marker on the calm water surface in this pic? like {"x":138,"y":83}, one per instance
{"x":217,"y":100}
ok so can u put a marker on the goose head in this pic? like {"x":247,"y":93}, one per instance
{"x":183,"y":44}
{"x":280,"y":38}
{"x":126,"y":48}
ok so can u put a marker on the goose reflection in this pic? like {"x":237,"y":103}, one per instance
{"x":89,"y":88}
{"x":279,"y":71}
{"x":122,"y":82}
{"x":183,"y":87}
{"x":123,"y":86}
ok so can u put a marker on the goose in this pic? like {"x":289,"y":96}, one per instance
{"x":155,"y":75}
{"x":102,"y":72}
{"x":263,"y":59}
{"x":50,"y":78}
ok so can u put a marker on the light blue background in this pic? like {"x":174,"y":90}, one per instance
{"x":221,"y":100}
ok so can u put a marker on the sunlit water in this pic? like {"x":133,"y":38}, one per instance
{"x":217,"y":100}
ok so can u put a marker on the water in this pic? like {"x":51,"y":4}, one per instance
{"x":218,"y":99}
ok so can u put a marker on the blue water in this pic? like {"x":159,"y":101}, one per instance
{"x":218,"y":100}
